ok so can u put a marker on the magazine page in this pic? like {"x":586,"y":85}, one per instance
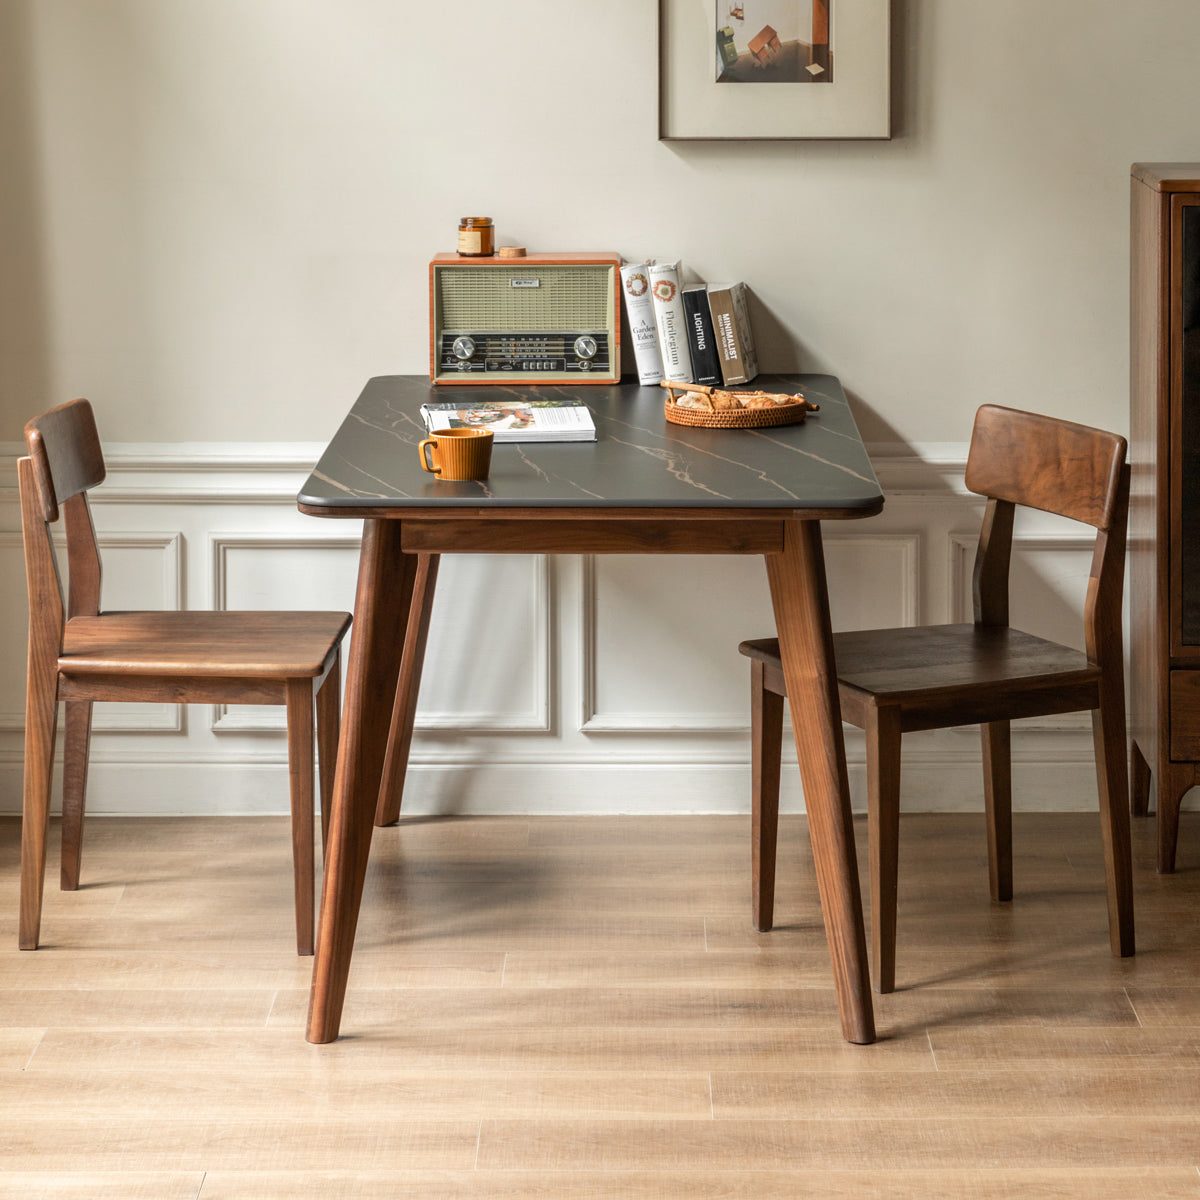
{"x":515,"y":420}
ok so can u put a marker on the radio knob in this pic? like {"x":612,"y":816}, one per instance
{"x":463,"y":347}
{"x":585,"y":347}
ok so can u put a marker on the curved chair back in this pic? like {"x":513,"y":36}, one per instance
{"x":65,"y":449}
{"x":1058,"y":467}
{"x":1048,"y":464}
{"x":65,"y":460}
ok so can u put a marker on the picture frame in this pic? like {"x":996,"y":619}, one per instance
{"x":852,"y":100}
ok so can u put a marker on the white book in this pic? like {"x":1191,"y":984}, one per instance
{"x":514,"y":420}
{"x":672,"y":329}
{"x":635,"y":283}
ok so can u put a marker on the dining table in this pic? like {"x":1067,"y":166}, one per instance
{"x":644,"y":486}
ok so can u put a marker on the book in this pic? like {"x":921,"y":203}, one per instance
{"x":514,"y":420}
{"x":706,"y":366}
{"x":731,"y":327}
{"x":668,"y":316}
{"x":635,"y":283}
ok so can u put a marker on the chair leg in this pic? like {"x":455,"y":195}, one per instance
{"x":766,"y":745}
{"x":329,"y":707}
{"x":300,"y":774}
{"x":883,"y":834}
{"x":76,"y":741}
{"x":1139,"y":781}
{"x":41,"y":725}
{"x":997,"y":794}
{"x":1108,"y":730}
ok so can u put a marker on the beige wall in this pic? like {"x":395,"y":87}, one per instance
{"x":215,"y":220}
{"x":215,"y":215}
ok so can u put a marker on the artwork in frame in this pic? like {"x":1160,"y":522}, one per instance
{"x":741,"y":70}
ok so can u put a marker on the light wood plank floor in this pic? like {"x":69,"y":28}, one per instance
{"x":578,"y":1007}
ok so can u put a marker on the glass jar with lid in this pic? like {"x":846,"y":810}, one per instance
{"x":476,"y":237}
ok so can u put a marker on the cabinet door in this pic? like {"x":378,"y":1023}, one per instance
{"x":1185,"y":424}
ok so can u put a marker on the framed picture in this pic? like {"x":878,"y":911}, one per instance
{"x":740,"y":70}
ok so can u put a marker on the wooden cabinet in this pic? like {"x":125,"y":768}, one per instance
{"x":1164,"y":514}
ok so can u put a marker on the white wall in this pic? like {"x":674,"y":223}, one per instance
{"x":215,"y":219}
{"x":221,"y":211}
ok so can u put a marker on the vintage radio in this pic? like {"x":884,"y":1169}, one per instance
{"x":543,"y":318}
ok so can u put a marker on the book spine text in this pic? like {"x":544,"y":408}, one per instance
{"x":668,"y":315}
{"x":731,"y":329}
{"x":706,"y":366}
{"x":635,"y":283}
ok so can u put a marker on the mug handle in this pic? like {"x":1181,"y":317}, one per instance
{"x":427,"y":459}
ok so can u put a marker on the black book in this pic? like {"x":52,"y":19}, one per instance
{"x":706,"y":365}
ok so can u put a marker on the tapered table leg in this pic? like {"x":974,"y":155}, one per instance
{"x":386,"y":577}
{"x":395,"y":764}
{"x":801,"y":602}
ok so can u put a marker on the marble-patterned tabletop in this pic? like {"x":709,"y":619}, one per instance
{"x":638,"y":460}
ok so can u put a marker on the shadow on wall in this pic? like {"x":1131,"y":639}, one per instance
{"x":781,"y":351}
{"x":24,"y":333}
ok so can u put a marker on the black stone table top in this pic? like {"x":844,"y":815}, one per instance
{"x":637,"y":461}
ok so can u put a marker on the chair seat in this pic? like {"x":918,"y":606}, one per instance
{"x":259,"y":645}
{"x":908,"y":664}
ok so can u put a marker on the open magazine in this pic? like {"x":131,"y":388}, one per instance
{"x":514,"y":420}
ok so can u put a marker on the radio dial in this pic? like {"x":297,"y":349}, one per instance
{"x":585,"y":347}
{"x":463,"y":347}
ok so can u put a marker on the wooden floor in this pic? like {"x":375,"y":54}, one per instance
{"x":578,"y":1007}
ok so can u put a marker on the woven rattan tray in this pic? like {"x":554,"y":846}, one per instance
{"x":732,"y":418}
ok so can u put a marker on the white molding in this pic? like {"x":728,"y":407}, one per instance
{"x":538,"y":719}
{"x":910,"y":540}
{"x":219,"y":788}
{"x":591,"y":720}
{"x":155,"y":718}
{"x":162,"y":718}
{"x":226,"y":718}
{"x":926,"y":749}
{"x":14,"y":718}
{"x":931,"y":472}
{"x":194,"y":456}
{"x":707,"y":723}
{"x":205,"y":472}
{"x":535,"y":760}
{"x":193,"y":472}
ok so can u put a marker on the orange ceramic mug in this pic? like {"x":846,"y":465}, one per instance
{"x":458,"y":453}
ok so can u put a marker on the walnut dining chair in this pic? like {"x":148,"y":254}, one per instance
{"x":79,"y":654}
{"x":893,"y":681}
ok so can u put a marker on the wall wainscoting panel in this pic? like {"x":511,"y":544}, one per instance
{"x":277,"y":571}
{"x":595,"y":684}
{"x":661,"y":634}
{"x":142,"y":569}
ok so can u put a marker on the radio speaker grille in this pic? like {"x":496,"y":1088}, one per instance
{"x":567,"y":297}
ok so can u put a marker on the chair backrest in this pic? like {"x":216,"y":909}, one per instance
{"x":1058,"y":467}
{"x":65,"y":460}
{"x":1042,"y":462}
{"x":65,"y":449}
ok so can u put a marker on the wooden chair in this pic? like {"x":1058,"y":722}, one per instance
{"x":891,"y":681}
{"x":79,"y":654}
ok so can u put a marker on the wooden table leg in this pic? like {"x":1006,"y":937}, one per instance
{"x":395,"y":763}
{"x":801,"y":601}
{"x":386,"y":576}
